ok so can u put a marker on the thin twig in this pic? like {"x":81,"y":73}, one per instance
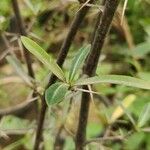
{"x":102,"y":139}
{"x":22,"y":32}
{"x":6,"y":41}
{"x":16,"y":131}
{"x":87,"y":91}
{"x":123,"y":11}
{"x":12,"y":79}
{"x":84,"y":5}
{"x":9,"y":49}
{"x":28,"y":61}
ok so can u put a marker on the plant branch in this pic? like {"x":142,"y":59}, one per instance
{"x":60,"y":60}
{"x":91,"y":65}
{"x":22,"y":32}
{"x":102,"y":139}
{"x":28,"y":61}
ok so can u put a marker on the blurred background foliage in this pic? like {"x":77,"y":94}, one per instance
{"x":126,"y":51}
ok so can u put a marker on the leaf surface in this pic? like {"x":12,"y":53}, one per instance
{"x":55,"y":93}
{"x":43,"y":56}
{"x":115,"y":79}
{"x":78,"y":61}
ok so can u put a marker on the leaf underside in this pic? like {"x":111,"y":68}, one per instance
{"x":115,"y":79}
{"x":78,"y":61}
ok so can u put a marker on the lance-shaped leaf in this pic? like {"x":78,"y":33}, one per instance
{"x":78,"y":61}
{"x":144,"y":116}
{"x":115,"y":79}
{"x":41,"y":54}
{"x":56,"y":93}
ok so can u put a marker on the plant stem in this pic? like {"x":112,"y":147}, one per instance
{"x":25,"y":52}
{"x":91,"y":65}
{"x":60,"y":60}
{"x":23,"y":32}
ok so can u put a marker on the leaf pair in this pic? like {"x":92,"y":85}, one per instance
{"x":56,"y":92}
{"x":77,"y":62}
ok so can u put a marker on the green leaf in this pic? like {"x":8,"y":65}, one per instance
{"x":115,"y":79}
{"x":36,"y":50}
{"x":144,"y":116}
{"x":56,"y":93}
{"x":78,"y":61}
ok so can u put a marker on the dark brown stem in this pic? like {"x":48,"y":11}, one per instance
{"x":96,"y":26}
{"x":97,"y":22}
{"x":91,"y":65}
{"x":60,"y":60}
{"x":23,"y":32}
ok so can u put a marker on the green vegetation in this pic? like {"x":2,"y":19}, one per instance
{"x":88,"y":83}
